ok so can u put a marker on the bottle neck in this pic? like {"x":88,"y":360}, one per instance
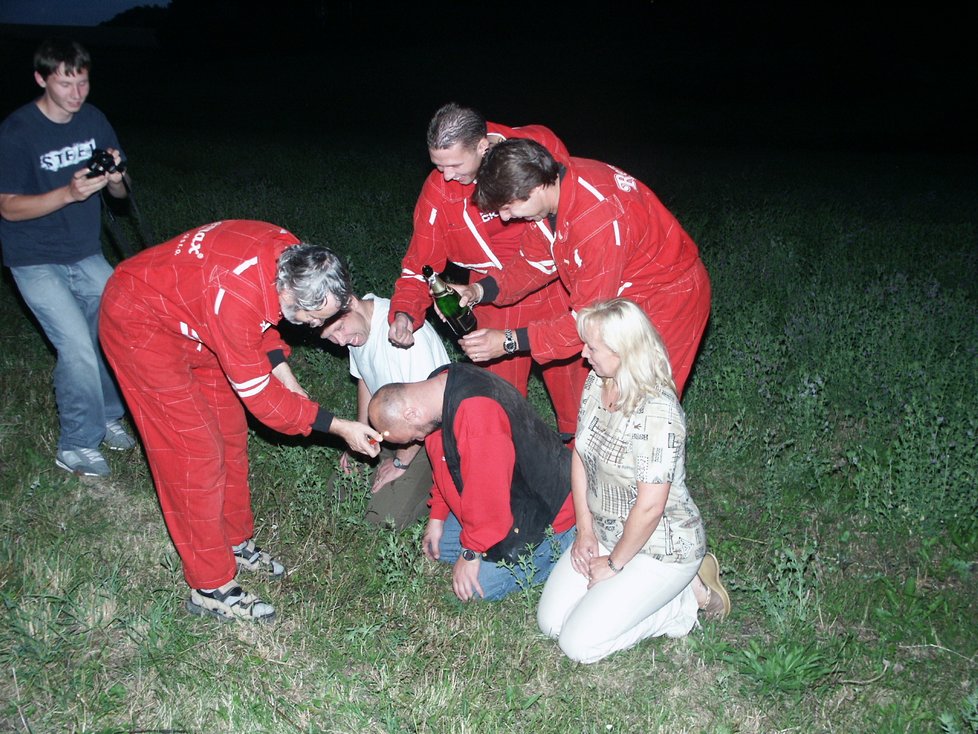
{"x":438,"y":287}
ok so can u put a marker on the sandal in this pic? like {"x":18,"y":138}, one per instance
{"x":233,"y":604}
{"x":250,"y":557}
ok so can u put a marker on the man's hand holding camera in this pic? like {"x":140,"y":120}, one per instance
{"x":105,"y":168}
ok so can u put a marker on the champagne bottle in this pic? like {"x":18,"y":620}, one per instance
{"x":460,"y":318}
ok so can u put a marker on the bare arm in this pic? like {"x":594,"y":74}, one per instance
{"x":284,"y":374}
{"x":22,"y":207}
{"x":642,"y":520}
{"x":585,"y":544}
{"x":363,"y":401}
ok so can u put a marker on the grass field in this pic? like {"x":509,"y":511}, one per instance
{"x":833,"y":452}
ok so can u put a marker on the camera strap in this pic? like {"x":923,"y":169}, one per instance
{"x":122,"y":243}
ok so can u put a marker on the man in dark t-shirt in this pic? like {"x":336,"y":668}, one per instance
{"x":50,"y":227}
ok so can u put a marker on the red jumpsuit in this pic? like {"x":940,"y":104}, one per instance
{"x":449,"y":228}
{"x":614,"y":238}
{"x":485,"y":445}
{"x":188,"y":327}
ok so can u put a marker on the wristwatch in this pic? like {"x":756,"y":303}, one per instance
{"x":469,"y":555}
{"x":398,"y":464}
{"x":509,"y":342}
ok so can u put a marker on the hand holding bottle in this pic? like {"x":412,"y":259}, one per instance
{"x":483,"y":345}
{"x":460,"y":318}
{"x":469,"y":295}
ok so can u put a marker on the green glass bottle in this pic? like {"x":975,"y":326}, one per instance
{"x":459,"y":318}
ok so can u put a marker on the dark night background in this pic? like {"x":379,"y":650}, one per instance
{"x":608,"y":77}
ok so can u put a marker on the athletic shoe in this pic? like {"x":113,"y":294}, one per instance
{"x":83,"y":462}
{"x":718,"y":603}
{"x":250,"y":557}
{"x":116,"y":437}
{"x":233,"y":604}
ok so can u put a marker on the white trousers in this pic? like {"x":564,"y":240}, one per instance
{"x":648,"y":598}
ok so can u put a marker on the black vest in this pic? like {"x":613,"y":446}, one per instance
{"x":541,"y":476}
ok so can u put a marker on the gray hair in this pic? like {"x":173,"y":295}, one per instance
{"x":309,"y":273}
{"x":454,"y":124}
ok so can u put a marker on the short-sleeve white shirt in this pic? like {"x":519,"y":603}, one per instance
{"x":378,"y":362}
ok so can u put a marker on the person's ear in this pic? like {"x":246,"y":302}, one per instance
{"x":40,"y":80}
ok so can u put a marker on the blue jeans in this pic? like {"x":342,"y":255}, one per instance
{"x":496,"y":580}
{"x":65,"y":300}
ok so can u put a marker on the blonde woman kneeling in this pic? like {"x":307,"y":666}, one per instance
{"x":638,"y":567}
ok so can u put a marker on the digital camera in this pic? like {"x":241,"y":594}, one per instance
{"x":101,"y":163}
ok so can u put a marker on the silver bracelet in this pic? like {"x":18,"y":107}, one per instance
{"x":612,"y":566}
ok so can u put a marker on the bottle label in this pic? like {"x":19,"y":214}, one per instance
{"x":463,"y":323}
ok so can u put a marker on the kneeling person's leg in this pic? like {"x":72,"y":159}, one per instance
{"x":404,"y":501}
{"x":498,"y":580}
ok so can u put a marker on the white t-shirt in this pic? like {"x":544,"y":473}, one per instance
{"x":378,"y":362}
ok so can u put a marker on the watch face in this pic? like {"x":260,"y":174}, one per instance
{"x":509,"y":342}
{"x":469,"y":555}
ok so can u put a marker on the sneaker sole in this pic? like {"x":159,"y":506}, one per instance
{"x":200,"y":611}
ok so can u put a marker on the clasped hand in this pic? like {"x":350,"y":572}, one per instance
{"x":585,"y":559}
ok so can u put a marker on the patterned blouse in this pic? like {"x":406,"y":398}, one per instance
{"x":646,"y":446}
